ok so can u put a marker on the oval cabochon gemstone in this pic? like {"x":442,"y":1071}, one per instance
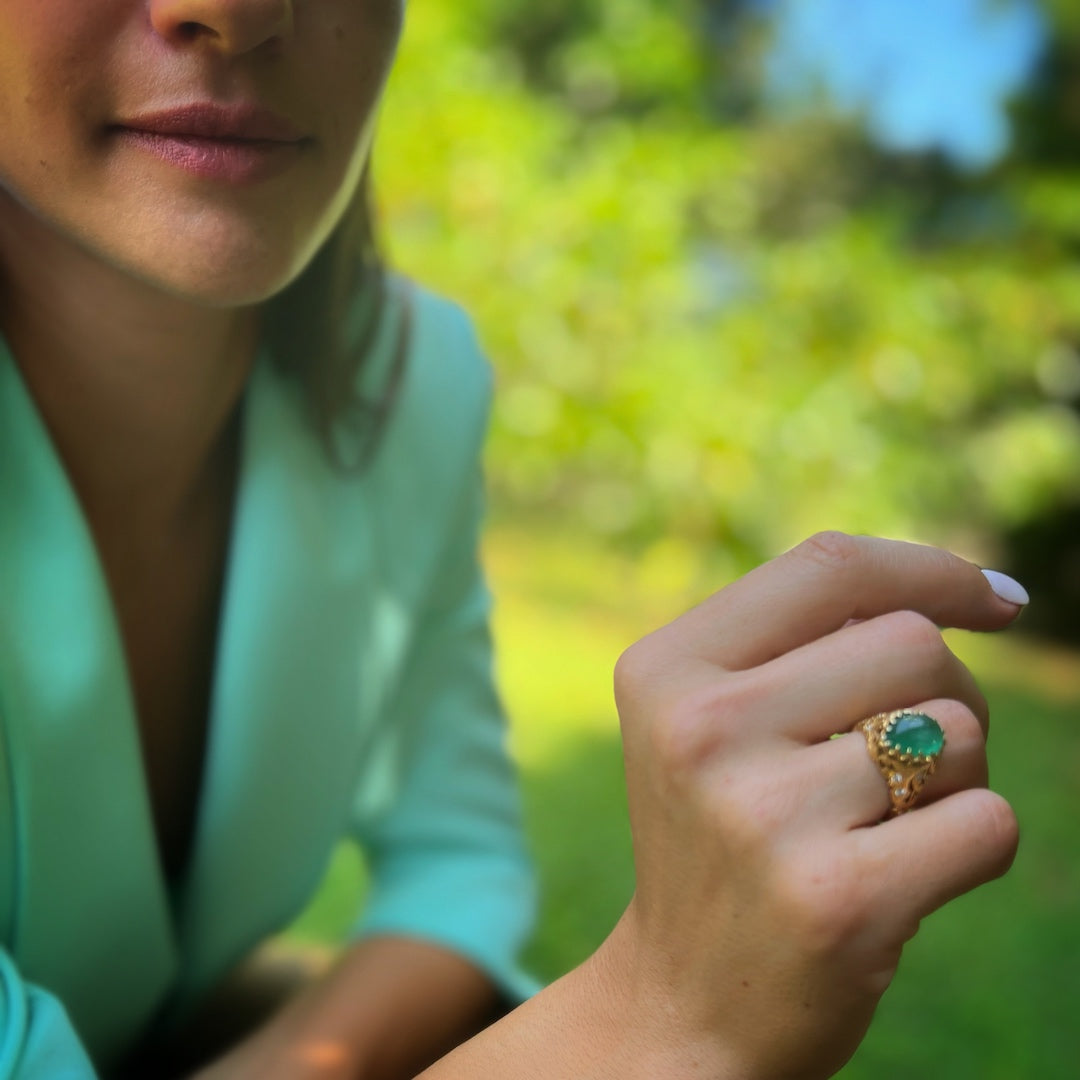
{"x":916,"y":733}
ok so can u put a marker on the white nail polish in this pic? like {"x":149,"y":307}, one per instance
{"x":1007,"y":588}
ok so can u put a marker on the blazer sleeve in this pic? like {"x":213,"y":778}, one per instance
{"x":446,"y":853}
{"x":37,"y":1040}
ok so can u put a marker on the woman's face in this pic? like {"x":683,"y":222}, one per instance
{"x":206,"y":146}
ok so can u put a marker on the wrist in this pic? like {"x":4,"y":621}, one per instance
{"x":608,"y":1019}
{"x":639,"y":1019}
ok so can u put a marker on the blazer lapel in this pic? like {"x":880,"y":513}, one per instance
{"x":90,"y":913}
{"x":286,"y":713}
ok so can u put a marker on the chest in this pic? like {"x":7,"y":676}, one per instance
{"x":167,"y":599}
{"x":170,"y":652}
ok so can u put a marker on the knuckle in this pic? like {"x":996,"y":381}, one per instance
{"x":832,"y":550}
{"x":727,"y":706}
{"x":719,"y":712}
{"x":747,"y":815}
{"x":634,"y":670}
{"x":627,"y":671}
{"x":691,"y":727}
{"x":1003,"y":829}
{"x":965,"y":727}
{"x":914,"y":632}
{"x":823,"y":903}
{"x":964,"y":746}
{"x":674,"y":738}
{"x":991,"y":830}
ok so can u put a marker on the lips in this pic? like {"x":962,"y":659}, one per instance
{"x":208,"y":120}
{"x":236,"y":143}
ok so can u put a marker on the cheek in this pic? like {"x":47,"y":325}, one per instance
{"x":52,"y":54}
{"x":355,"y":44}
{"x":359,"y":45}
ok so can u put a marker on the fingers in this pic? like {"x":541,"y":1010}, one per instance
{"x":817,"y":587}
{"x":919,"y":861}
{"x":844,"y":785}
{"x":890,"y":662}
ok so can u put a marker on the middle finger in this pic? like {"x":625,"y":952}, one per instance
{"x":890,"y":662}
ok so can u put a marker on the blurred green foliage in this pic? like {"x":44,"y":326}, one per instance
{"x":716,"y":330}
{"x":722,"y":334}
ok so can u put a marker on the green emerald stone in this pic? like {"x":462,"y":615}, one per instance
{"x":915,"y":734}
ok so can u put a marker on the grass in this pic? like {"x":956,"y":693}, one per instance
{"x":988,"y":989}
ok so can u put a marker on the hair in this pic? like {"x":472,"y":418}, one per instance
{"x":319,"y":343}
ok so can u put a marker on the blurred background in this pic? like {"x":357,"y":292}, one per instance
{"x":747,"y":269}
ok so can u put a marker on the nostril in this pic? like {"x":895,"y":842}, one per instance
{"x":189,"y":31}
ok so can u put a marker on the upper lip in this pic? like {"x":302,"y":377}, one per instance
{"x":209,"y":120}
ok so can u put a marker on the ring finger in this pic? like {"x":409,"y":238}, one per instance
{"x":842,"y":780}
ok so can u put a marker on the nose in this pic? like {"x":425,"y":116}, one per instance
{"x":230,"y":26}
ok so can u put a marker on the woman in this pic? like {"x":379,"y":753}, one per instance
{"x":241,"y":617}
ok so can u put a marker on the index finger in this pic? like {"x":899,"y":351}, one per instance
{"x":818,"y":586}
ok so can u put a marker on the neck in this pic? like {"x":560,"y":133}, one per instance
{"x":137,"y":387}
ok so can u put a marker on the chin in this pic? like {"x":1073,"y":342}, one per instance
{"x":220,"y":288}
{"x":235,"y":274}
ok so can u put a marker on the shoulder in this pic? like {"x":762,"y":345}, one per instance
{"x":424,"y":478}
{"x":439,"y":410}
{"x":446,"y":385}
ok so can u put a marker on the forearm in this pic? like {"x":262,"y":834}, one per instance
{"x":604,"y":1020}
{"x":565,"y":1031}
{"x":386,"y":1009}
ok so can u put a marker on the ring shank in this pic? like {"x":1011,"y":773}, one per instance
{"x":905,"y":772}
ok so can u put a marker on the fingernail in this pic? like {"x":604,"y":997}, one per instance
{"x":1007,"y":588}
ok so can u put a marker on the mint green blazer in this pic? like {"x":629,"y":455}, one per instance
{"x":353,"y":697}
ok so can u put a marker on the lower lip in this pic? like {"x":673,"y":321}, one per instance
{"x":236,"y":161}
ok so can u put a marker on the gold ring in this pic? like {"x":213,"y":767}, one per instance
{"x":905,"y":746}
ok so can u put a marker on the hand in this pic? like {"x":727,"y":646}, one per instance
{"x":772,"y":901}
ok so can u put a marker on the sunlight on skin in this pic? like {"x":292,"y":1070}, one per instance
{"x":326,"y":1054}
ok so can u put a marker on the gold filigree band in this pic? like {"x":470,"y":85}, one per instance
{"x":905,"y":746}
